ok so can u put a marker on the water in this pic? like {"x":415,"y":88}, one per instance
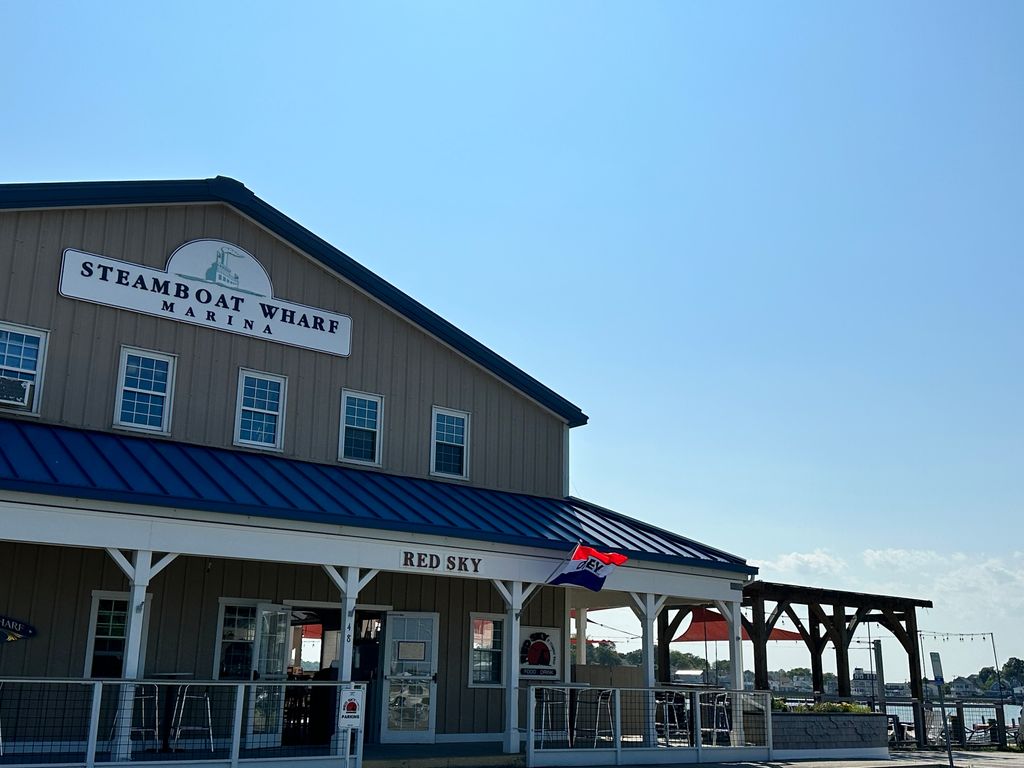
{"x":1012,"y":713}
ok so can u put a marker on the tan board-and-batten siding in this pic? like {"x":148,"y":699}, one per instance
{"x":390,"y":356}
{"x":52,"y":588}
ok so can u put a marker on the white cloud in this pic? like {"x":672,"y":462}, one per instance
{"x":901,"y":559}
{"x":820,"y":561}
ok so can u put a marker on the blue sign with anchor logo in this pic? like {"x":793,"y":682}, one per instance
{"x":15,"y":629}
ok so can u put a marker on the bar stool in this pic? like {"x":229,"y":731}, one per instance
{"x":550,"y":701}
{"x":715,"y":721}
{"x":146,"y":696}
{"x":602,"y":706}
{"x":178,"y":718}
{"x":669,"y":704}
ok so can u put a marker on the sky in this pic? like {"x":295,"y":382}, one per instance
{"x":774,"y":251}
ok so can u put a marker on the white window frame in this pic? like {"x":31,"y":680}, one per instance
{"x":434,"y":412}
{"x":37,"y":386}
{"x":496,"y":617}
{"x":172,"y":365}
{"x":222,"y":603}
{"x":90,"y":644}
{"x":279,"y":437}
{"x":379,"y":399}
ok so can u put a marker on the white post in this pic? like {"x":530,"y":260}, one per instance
{"x":646,"y":608}
{"x":349,"y":584}
{"x":736,"y":645}
{"x":94,"y":725}
{"x":346,"y":638}
{"x":236,"y":724}
{"x":510,"y":649}
{"x":581,"y":635}
{"x":647,"y":619}
{"x":138,"y":581}
{"x":733,"y":617}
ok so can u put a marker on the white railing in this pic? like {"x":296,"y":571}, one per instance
{"x":67,"y":722}
{"x":583,"y":725}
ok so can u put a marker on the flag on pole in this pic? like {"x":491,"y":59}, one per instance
{"x":586,"y":567}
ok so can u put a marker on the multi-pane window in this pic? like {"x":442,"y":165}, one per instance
{"x":21,"y":357}
{"x":108,"y":638}
{"x":237,"y":638}
{"x":260,"y":417}
{"x":145,"y":390}
{"x":449,"y":442}
{"x":361,"y":427}
{"x":486,"y":644}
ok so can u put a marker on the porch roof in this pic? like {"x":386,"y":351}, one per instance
{"x":62,"y":461}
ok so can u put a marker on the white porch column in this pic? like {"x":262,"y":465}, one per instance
{"x":349,"y":584}
{"x":515,"y":597}
{"x":581,"y":635}
{"x":139,"y":574}
{"x":733,"y":617}
{"x":647,"y":606}
{"x":138,"y":584}
{"x":731,"y":612}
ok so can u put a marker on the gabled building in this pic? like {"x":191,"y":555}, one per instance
{"x":230,"y":452}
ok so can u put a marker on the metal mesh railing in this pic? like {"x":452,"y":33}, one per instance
{"x":580,"y":717}
{"x":97,"y":722}
{"x":734,"y":718}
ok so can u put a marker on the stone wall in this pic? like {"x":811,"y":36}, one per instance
{"x":822,"y":730}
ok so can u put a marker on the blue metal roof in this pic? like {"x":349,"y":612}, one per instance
{"x":43,"y":458}
{"x":222,"y":189}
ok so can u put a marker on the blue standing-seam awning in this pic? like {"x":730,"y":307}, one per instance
{"x":69,"y":462}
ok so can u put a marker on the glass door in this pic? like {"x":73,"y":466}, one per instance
{"x":270,"y":663}
{"x":410,"y":678}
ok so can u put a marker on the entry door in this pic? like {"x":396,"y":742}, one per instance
{"x":410,"y":678}
{"x":269,"y":663}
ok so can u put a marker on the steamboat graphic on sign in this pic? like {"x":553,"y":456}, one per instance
{"x":219,"y":272}
{"x":191,"y":257}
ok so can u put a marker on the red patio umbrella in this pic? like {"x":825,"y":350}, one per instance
{"x":711,"y":626}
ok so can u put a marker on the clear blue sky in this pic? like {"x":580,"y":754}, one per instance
{"x":774,"y":251}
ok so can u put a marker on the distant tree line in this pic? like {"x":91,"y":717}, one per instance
{"x":604,"y":653}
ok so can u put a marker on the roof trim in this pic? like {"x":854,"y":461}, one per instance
{"x":223,"y":189}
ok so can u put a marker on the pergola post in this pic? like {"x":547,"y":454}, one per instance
{"x":817,"y":673}
{"x":842,"y":644}
{"x":759,"y":634}
{"x":662,"y":670}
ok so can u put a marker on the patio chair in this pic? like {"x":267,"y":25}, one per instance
{"x":601,"y":701}
{"x":188,"y":696}
{"x":554,"y":715}
{"x":147,"y":697}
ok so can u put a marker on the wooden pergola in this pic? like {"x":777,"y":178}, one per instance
{"x":832,"y":616}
